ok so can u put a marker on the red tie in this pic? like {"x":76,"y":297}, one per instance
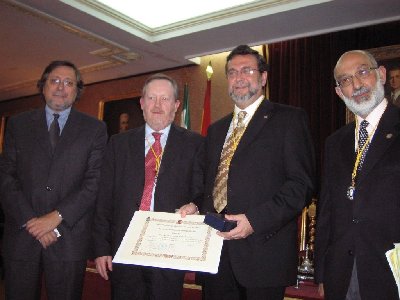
{"x":151,"y":165}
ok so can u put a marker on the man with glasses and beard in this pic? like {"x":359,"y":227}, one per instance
{"x":267,"y":149}
{"x":359,"y":208}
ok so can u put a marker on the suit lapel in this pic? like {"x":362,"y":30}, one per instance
{"x":69,"y":133}
{"x":40,"y":131}
{"x":262,"y":115}
{"x":348,"y":153}
{"x":135,"y":163}
{"x":172,"y":148}
{"x":386,"y":133}
{"x":219,"y":139}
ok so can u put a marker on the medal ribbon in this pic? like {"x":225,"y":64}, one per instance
{"x":359,"y":154}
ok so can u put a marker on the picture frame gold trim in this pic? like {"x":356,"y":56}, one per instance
{"x":100,"y":114}
{"x":2,"y":132}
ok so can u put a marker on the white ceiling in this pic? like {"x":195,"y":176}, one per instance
{"x":105,"y":45}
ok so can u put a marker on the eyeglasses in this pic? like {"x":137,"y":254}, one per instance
{"x":232,"y":73}
{"x":66,"y":82}
{"x":360,"y":74}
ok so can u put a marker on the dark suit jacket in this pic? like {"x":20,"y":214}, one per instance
{"x":34,"y":182}
{"x":270,"y":180}
{"x":366,"y":227}
{"x":396,"y":101}
{"x":180,"y":181}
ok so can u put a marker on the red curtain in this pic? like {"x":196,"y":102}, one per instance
{"x":301,"y":74}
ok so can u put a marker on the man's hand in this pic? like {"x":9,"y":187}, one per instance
{"x":38,"y":227}
{"x":188,"y":209}
{"x":103,"y":265}
{"x":241,"y":231}
{"x":48,"y":239}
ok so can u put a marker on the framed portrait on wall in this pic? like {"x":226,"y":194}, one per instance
{"x":389,"y":57}
{"x":121,"y":114}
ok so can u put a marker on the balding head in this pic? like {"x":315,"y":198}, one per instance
{"x":353,"y":53}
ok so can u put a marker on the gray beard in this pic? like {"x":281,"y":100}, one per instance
{"x":244,"y":98}
{"x":366,"y":106}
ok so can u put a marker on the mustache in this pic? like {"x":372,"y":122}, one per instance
{"x":241,"y":84}
{"x":59,"y":94}
{"x":360,"y":91}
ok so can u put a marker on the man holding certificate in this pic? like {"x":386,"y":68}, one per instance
{"x":156,"y":167}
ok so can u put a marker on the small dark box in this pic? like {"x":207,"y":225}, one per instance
{"x":218,"y":221}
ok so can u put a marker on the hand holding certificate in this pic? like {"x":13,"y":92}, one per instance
{"x":167,"y":240}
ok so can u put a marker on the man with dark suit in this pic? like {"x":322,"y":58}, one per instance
{"x":359,"y":208}
{"x":394,"y":81}
{"x":268,"y":157}
{"x":178,"y":156}
{"x":49,"y":174}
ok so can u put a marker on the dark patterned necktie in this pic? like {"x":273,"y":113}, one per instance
{"x":221,"y":180}
{"x":54,"y":131}
{"x":362,"y":139}
{"x":153,"y":158}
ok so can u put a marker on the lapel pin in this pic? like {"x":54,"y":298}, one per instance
{"x":389,"y":136}
{"x":266,"y":117}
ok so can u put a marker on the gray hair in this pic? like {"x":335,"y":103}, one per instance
{"x":161,"y":76}
{"x":371,"y":58}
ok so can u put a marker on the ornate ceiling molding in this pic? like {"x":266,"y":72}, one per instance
{"x":224,"y":17}
{"x":110,"y":53}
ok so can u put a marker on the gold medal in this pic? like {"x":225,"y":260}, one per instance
{"x":350,"y":192}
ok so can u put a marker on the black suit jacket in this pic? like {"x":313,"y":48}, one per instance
{"x":35,"y":182}
{"x":396,"y":101}
{"x":180,"y":181}
{"x":366,"y":227}
{"x":270,"y":180}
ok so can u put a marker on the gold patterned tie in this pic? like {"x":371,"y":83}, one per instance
{"x":221,"y":180}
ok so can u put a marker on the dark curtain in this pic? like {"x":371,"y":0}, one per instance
{"x":301,"y":74}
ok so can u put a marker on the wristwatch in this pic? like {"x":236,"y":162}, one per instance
{"x":58,"y":234}
{"x":59,"y":214}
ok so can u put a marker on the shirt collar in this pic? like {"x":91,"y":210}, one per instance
{"x":62,"y":114}
{"x":164,"y":131}
{"x":374,"y":117}
{"x":62,"y":118}
{"x":250,"y":110}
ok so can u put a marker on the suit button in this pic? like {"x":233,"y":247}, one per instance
{"x":356,"y":221}
{"x":48,"y":188}
{"x":351,"y":253}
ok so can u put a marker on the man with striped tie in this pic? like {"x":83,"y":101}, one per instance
{"x":156,"y":167}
